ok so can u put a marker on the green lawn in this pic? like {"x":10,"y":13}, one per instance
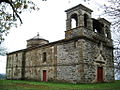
{"x":29,"y":85}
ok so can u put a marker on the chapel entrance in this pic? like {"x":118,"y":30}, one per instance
{"x":100,"y":74}
{"x":44,"y":75}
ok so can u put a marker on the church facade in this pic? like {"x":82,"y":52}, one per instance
{"x":84,"y":56}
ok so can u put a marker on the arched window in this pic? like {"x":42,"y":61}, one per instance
{"x":85,"y":20}
{"x":74,"y":21}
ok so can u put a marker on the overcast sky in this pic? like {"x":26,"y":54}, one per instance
{"x":49,"y":21}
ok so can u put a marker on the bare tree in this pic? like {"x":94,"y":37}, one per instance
{"x":10,"y":11}
{"x":112,"y":10}
{"x":116,"y":36}
{"x":3,"y":50}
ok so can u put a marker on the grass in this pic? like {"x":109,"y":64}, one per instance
{"x":29,"y":85}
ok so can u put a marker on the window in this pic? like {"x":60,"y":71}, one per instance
{"x":16,"y":66}
{"x":85,"y":20}
{"x":44,"y":57}
{"x":74,"y":21}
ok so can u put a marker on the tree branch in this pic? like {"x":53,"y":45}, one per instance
{"x":14,"y":11}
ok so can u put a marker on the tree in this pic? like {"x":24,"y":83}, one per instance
{"x":113,"y":11}
{"x":10,"y":11}
{"x":3,"y":50}
{"x":116,"y":36}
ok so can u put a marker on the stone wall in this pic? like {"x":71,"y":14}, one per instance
{"x":109,"y":74}
{"x":14,"y":66}
{"x":91,"y":52}
{"x":68,"y":58}
{"x":34,"y":63}
{"x":74,"y":61}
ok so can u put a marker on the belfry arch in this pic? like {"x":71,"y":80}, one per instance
{"x":74,"y":20}
{"x":86,"y":20}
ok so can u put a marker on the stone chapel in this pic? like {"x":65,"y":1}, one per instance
{"x":85,"y":55}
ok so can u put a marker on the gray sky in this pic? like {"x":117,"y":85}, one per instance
{"x":49,"y":21}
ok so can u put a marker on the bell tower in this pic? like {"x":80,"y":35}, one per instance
{"x":78,"y":19}
{"x":92,"y":37}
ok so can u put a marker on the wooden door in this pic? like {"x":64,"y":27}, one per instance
{"x":44,"y":75}
{"x":100,"y":74}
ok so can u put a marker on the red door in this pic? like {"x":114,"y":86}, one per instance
{"x":100,"y":74}
{"x":44,"y":76}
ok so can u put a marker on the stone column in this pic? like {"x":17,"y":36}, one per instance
{"x":81,"y":20}
{"x":90,"y":24}
{"x":68,"y":24}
